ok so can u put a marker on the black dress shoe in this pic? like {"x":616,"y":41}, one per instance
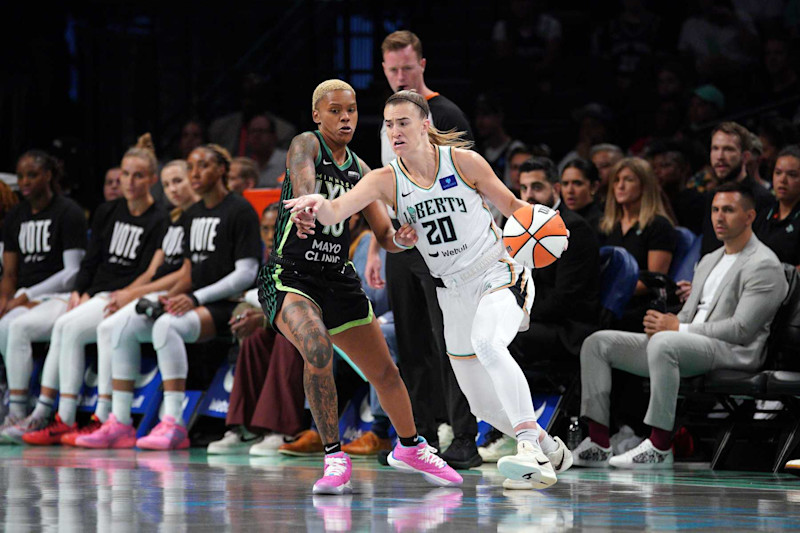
{"x":462,"y":453}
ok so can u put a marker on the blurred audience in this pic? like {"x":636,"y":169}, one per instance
{"x":579,"y":183}
{"x":262,"y":145}
{"x":243,"y":174}
{"x":111,"y":188}
{"x":778,"y":227}
{"x":605,"y":156}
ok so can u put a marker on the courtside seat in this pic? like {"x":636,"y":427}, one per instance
{"x":735,"y":382}
{"x":619,"y":273}
{"x":687,"y":254}
{"x":783,"y":383}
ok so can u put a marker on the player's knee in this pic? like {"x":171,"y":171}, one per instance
{"x":487,"y":347}
{"x":161,"y":330}
{"x":319,"y":355}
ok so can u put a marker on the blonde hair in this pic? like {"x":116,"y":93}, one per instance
{"x":452,"y":137}
{"x":651,"y":203}
{"x":326,"y":87}
{"x":180,"y":164}
{"x":146,"y":150}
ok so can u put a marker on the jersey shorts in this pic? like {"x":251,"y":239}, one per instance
{"x":336,"y":291}
{"x":459,"y":301}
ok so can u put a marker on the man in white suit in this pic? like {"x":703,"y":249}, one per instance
{"x":724,"y":323}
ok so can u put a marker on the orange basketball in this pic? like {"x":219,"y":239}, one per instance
{"x":535,"y":235}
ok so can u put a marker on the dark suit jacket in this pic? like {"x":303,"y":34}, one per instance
{"x":567,"y":292}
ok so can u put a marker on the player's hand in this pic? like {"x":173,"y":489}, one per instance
{"x":246,"y":323}
{"x":372,"y":271}
{"x":304,"y":222}
{"x":178,"y":305}
{"x":406,"y":236}
{"x":655,"y":321}
{"x":22,"y":299}
{"x":117,"y":301}
{"x":566,"y":243}
{"x":684,"y":290}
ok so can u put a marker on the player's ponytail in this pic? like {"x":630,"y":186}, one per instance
{"x":452,"y":137}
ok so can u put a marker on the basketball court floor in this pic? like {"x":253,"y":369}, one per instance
{"x":62,"y":489}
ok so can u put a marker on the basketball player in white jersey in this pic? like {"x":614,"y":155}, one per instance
{"x":437,"y":189}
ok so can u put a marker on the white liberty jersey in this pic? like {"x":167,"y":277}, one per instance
{"x":454,"y":225}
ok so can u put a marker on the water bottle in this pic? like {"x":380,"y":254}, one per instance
{"x":574,"y":433}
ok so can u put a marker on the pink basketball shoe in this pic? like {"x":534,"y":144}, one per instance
{"x":112,"y":434}
{"x":167,"y":435}
{"x":336,"y":479}
{"x":422,"y":458}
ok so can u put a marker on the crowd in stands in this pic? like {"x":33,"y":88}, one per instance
{"x":656,"y":150}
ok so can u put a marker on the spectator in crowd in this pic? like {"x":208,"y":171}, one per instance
{"x":579,"y":183}
{"x":730,"y":153}
{"x":125,"y":235}
{"x":193,"y":134}
{"x":604,"y":156}
{"x":230,"y":131}
{"x":494,"y":143}
{"x":35,"y":269}
{"x":262,"y":146}
{"x":721,"y":325}
{"x":671,"y":166}
{"x":594,"y":122}
{"x":778,"y":227}
{"x":635,"y":219}
{"x":243,"y":175}
{"x":780,"y":80}
{"x":753,"y":167}
{"x":266,"y":402}
{"x":775,"y":134}
{"x":528,"y":38}
{"x":111,"y":190}
{"x":421,"y":352}
{"x":516,"y":157}
{"x":706,"y":105}
{"x":716,"y":40}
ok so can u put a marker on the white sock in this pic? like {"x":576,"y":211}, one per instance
{"x":548,"y":444}
{"x":44,"y":407}
{"x":173,"y":405}
{"x":66,"y":409}
{"x":18,"y":405}
{"x":529,"y":435}
{"x":102,"y":409}
{"x":121,"y":402}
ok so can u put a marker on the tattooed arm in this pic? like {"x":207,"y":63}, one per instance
{"x":300,"y":159}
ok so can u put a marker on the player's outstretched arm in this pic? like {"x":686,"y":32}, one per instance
{"x":366,"y":191}
{"x":300,"y":160}
{"x":475,"y":168}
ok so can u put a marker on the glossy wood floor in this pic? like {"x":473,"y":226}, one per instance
{"x":63,"y":489}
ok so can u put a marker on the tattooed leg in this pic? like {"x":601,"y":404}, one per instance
{"x":300,"y":321}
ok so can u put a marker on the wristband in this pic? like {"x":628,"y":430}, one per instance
{"x":401,"y":246}
{"x":194,"y":299}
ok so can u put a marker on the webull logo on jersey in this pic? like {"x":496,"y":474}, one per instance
{"x":433,"y":206}
{"x":448,"y":182}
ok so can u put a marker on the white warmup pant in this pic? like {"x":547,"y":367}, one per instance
{"x":481,"y":318}
{"x":122,"y":335}
{"x":71,"y":333}
{"x":19,"y":329}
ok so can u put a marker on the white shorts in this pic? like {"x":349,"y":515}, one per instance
{"x":459,"y":303}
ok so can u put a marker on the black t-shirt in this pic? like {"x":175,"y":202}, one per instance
{"x":447,"y":116}
{"x":40,"y":239}
{"x":658,"y":235}
{"x":172,"y":246}
{"x":764,"y":200}
{"x":330,"y":244}
{"x":592,"y":213}
{"x":218,"y":237}
{"x":782,"y":236}
{"x":121,"y":246}
{"x":689,"y":206}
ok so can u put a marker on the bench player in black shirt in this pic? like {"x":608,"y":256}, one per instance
{"x":45,"y":240}
{"x":163,"y":272}
{"x":221,"y":251}
{"x":312,"y":294}
{"x":125,"y":234}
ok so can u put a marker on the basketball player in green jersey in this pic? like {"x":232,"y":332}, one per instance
{"x":312,"y":295}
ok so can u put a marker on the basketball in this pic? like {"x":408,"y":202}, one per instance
{"x":535,"y":235}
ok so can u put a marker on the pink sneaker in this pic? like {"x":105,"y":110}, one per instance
{"x":422,"y":458}
{"x":112,"y":434}
{"x":167,"y":435}
{"x":336,"y":479}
